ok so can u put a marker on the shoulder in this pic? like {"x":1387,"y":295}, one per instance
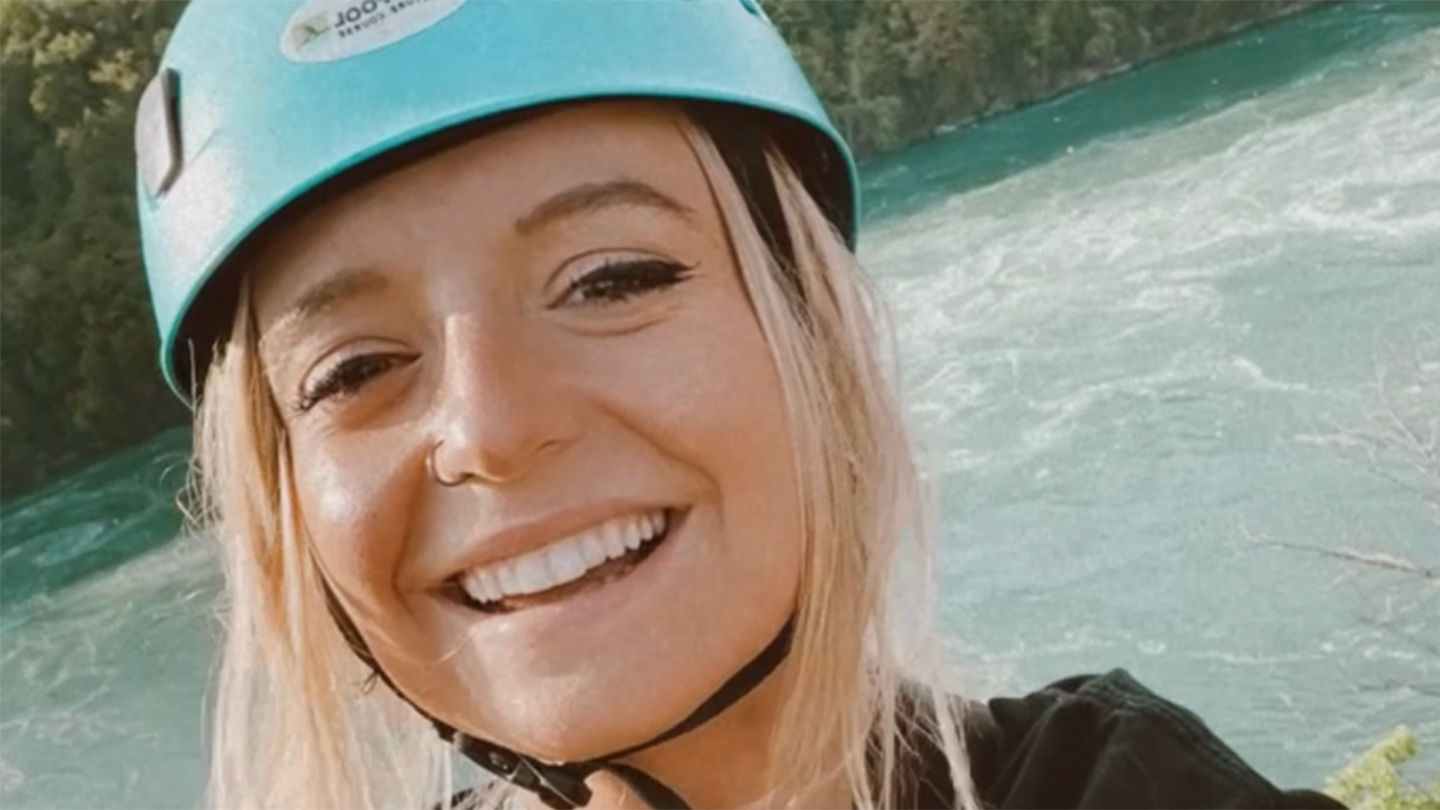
{"x":1107,"y":741}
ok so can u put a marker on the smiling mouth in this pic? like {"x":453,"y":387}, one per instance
{"x":590,"y":560}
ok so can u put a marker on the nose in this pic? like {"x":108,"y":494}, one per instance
{"x":499,"y":408}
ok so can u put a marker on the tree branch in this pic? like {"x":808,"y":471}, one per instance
{"x":1368,"y":558}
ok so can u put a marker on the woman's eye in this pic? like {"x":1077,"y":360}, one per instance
{"x":616,"y":281}
{"x":347,"y":377}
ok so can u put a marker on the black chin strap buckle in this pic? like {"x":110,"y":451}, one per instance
{"x":559,"y":786}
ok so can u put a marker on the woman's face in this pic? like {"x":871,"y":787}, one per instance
{"x":554,"y":311}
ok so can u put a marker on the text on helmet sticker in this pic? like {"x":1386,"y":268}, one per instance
{"x":327,"y":30}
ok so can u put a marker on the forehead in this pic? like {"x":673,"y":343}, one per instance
{"x":510,"y":170}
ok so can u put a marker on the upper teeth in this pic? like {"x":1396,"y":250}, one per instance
{"x":563,"y":561}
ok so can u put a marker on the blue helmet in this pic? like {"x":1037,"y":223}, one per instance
{"x":258,"y":103}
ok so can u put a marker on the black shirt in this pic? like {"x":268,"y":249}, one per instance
{"x":1094,"y":741}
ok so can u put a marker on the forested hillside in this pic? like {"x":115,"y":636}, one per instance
{"x":892,"y":71}
{"x":77,"y":343}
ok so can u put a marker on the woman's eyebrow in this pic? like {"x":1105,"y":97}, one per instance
{"x":324,"y":295}
{"x":592,"y":197}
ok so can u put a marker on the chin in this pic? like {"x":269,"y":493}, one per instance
{"x":587,"y":718}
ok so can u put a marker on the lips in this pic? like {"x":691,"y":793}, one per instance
{"x":587,"y":559}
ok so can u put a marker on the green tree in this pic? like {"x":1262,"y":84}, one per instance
{"x":1374,"y":782}
{"x":77,"y":342}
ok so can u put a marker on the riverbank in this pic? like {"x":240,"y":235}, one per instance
{"x":894,"y":73}
{"x":1085,"y":76}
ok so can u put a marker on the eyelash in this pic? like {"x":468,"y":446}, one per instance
{"x":346,"y":377}
{"x":611,"y":283}
{"x":619,"y":280}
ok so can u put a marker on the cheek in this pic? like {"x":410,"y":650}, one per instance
{"x":746,"y":450}
{"x":704,"y":390}
{"x":355,"y":500}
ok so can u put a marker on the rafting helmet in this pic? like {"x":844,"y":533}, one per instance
{"x":260,"y":106}
{"x":256,"y":105}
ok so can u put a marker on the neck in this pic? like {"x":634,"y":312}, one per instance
{"x":726,"y":762}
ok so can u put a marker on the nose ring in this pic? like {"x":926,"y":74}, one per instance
{"x":433,"y":469}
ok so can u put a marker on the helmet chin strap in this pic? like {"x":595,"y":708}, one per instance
{"x":562,"y":786}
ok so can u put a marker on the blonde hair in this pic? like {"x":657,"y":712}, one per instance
{"x":294,"y":724}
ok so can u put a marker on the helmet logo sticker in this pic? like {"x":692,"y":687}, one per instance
{"x":329,"y":30}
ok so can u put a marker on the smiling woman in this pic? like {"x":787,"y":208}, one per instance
{"x":545,"y":390}
{"x":577,"y":364}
